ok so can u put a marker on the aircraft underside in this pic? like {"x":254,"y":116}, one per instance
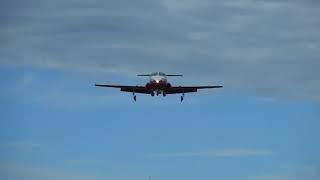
{"x":158,"y":85}
{"x":157,"y":93}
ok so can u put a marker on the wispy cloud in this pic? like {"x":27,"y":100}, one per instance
{"x":23,"y":146}
{"x":236,"y":152}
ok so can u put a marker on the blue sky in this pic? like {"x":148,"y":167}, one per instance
{"x":263,"y":125}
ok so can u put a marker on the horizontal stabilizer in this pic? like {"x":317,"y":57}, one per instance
{"x":144,"y":75}
{"x":174,"y":75}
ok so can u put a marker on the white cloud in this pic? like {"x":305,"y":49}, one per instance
{"x":269,"y":48}
{"x":236,"y":152}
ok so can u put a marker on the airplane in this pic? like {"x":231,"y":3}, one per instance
{"x":158,"y":84}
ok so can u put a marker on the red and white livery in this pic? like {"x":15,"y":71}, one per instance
{"x":158,"y":84}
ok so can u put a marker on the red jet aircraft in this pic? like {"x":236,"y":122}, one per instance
{"x":158,"y":84}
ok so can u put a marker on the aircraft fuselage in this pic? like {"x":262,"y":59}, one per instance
{"x":158,"y":83}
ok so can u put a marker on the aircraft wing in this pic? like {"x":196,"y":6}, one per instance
{"x":188,"y":89}
{"x":136,"y":89}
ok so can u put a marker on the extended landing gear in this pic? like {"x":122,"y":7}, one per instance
{"x":182,"y":97}
{"x":153,"y":93}
{"x":134,"y":96}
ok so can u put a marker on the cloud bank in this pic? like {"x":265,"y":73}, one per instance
{"x":266,"y":47}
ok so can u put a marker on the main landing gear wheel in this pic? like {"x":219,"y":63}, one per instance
{"x":134,"y":96}
{"x":182,"y":97}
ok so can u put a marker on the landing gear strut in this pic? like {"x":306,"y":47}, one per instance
{"x":134,"y":96}
{"x":182,"y":97}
